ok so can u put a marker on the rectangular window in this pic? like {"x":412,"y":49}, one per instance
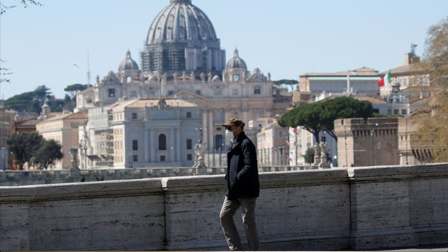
{"x":396,"y":111}
{"x":257,"y":90}
{"x":404,"y":111}
{"x":189,"y":144}
{"x":188,"y":114}
{"x":134,"y":144}
{"x":198,"y":92}
{"x":134,"y":116}
{"x":189,"y":157}
{"x":162,"y":158}
{"x":171,"y":92}
{"x":135,"y":158}
{"x":111,"y":92}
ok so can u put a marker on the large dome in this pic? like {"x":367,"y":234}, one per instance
{"x":179,"y":22}
{"x":182,"y":38}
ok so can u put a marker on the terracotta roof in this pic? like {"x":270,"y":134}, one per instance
{"x":28,"y":123}
{"x":87,"y":90}
{"x":363,"y":71}
{"x":71,"y":116}
{"x":404,"y":70}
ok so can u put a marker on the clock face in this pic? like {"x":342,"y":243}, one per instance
{"x":236,"y":77}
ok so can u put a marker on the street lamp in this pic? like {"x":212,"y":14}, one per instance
{"x":275,"y":156}
{"x":372,"y":133}
{"x":407,"y":133}
{"x":221,"y":149}
{"x":130,"y":156}
{"x":3,"y":151}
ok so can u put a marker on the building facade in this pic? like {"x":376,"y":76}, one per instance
{"x":141,"y":133}
{"x":272,"y":144}
{"x":370,"y":142}
{"x":239,"y":94}
{"x":63,"y":129}
{"x":359,"y":82}
{"x":182,"y":59}
{"x":406,"y":76}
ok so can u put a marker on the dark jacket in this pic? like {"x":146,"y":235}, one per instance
{"x":242,"y":169}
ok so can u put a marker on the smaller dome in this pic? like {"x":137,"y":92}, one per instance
{"x":128,"y":63}
{"x":236,"y":61}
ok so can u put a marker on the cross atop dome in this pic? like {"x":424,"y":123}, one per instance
{"x":180,"y":1}
{"x":235,"y":53}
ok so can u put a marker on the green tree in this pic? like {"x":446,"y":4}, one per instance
{"x":291,"y":83}
{"x":30,"y":101}
{"x":306,"y":116}
{"x":49,"y":152}
{"x":319,"y":116}
{"x":343,"y":107}
{"x":431,"y":122}
{"x":309,"y":156}
{"x":24,"y":146}
{"x":74,"y":88}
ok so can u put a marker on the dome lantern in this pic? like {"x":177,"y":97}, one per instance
{"x":180,"y":1}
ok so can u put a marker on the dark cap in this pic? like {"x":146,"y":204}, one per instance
{"x":234,"y":122}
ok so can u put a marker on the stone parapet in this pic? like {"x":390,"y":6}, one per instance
{"x":338,"y":209}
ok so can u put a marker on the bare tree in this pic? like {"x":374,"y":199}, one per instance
{"x":4,"y":72}
{"x":24,"y":3}
{"x":432,"y":121}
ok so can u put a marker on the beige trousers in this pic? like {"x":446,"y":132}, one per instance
{"x":228,"y":210}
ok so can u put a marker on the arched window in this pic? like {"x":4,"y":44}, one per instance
{"x":162,"y":142}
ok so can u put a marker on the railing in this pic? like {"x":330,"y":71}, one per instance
{"x":17,"y":178}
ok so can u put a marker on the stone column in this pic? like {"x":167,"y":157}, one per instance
{"x":171,"y":146}
{"x":178,"y":148}
{"x":210,"y":131}
{"x":152,"y":157}
{"x":146,"y":144}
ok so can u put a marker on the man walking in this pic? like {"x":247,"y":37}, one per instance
{"x":243,"y":187}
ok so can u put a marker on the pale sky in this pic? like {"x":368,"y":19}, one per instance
{"x":48,"y":45}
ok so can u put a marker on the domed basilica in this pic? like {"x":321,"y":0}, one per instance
{"x":182,"y":59}
{"x":182,"y":38}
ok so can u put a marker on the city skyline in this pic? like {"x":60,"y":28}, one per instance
{"x":49,"y":45}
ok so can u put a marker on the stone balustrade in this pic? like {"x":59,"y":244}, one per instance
{"x":337,"y":209}
{"x":18,"y":178}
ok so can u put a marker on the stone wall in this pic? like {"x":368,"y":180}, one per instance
{"x":354,"y":209}
{"x":39,"y":177}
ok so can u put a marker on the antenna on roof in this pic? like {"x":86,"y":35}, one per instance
{"x":88,"y":69}
{"x":413,"y":46}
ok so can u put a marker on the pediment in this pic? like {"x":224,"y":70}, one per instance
{"x":257,"y":78}
{"x":188,"y":95}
